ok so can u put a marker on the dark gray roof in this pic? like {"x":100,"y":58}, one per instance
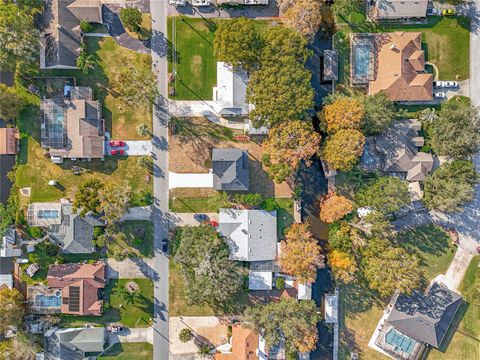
{"x":74,"y":344}
{"x":330,"y":65}
{"x":427,"y":317}
{"x":6,"y":265}
{"x":230,"y":169}
{"x":7,"y":78}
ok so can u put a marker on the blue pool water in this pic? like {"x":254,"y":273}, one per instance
{"x":399,"y":340}
{"x":48,"y":214}
{"x":362,"y":59}
{"x":48,"y":301}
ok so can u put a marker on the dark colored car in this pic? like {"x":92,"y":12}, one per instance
{"x":117,"y":152}
{"x":165,"y":245}
{"x":117,"y":143}
{"x":201,"y":217}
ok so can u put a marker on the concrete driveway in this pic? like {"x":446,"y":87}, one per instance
{"x":184,"y":219}
{"x":190,"y":180}
{"x":133,"y":147}
{"x":253,"y":12}
{"x":138,"y":213}
{"x":133,"y":335}
{"x":131,"y":268}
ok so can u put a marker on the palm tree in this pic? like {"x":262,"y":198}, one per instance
{"x":128,"y":296}
{"x":142,"y":129}
{"x":428,"y":115}
{"x":86,"y":62}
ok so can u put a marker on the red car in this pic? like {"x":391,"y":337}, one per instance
{"x":117,"y":143}
{"x":117,"y":152}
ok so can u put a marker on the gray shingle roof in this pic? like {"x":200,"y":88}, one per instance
{"x":75,"y":343}
{"x":230,"y":169}
{"x":425,"y":317}
{"x":330,"y":65}
{"x":394,"y":9}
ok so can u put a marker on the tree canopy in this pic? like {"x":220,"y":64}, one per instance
{"x":343,"y":113}
{"x":344,"y":8}
{"x":287,"y":145}
{"x":343,"y":149}
{"x":450,"y":186}
{"x":387,"y":195}
{"x":295,"y":320}
{"x":114,"y":200}
{"x":87,"y":197}
{"x":343,"y":265}
{"x":335,"y":207}
{"x":12,"y":308}
{"x":379,"y":113}
{"x":10,"y":102}
{"x":303,"y":16}
{"x":456,"y":132}
{"x":280,"y":89}
{"x":301,"y":254}
{"x":131,"y":18}
{"x":238,"y":43}
{"x":19,"y":39}
{"x":210,"y":276}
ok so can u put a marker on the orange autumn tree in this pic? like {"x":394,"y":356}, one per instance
{"x":335,"y":207}
{"x":303,"y":16}
{"x":289,"y":143}
{"x":300,"y":253}
{"x":343,"y":265}
{"x":343,"y":149}
{"x":343,"y":113}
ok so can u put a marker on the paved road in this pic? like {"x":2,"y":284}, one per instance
{"x":474,"y":13}
{"x":161,"y":216}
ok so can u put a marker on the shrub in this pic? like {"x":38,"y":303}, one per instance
{"x":98,"y":231}
{"x":280,"y":283}
{"x":269,"y":205}
{"x":51,"y":249}
{"x":137,"y":242}
{"x":85,"y":26}
{"x":107,"y":306}
{"x":203,"y":349}
{"x":131,"y":18}
{"x":252,"y":200}
{"x":34,"y":232}
{"x":185,"y":335}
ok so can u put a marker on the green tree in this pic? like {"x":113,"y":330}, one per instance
{"x":428,"y":116}
{"x":85,"y":62}
{"x":250,"y":199}
{"x":389,"y":268}
{"x":85,"y":26}
{"x":387,"y":195}
{"x":343,"y":149}
{"x":456,"y":132}
{"x":450,"y":186}
{"x":19,"y":39}
{"x":185,"y":335}
{"x":12,"y":308}
{"x":10,"y":102}
{"x":280,"y":89}
{"x":143,"y":130}
{"x":6,"y":219}
{"x":344,"y":8}
{"x":210,"y":276}
{"x":238,"y":43}
{"x":114,"y":200}
{"x":287,"y":145}
{"x":295,"y":320}
{"x":379,"y":114}
{"x":87,"y":197}
{"x":131,"y":18}
{"x":129,"y":296}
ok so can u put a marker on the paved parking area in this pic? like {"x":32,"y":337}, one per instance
{"x":134,"y":147}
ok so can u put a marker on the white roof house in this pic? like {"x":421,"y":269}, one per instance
{"x":397,"y":9}
{"x":6,"y":279}
{"x":331,"y":308}
{"x":260,"y":280}
{"x":10,"y":246}
{"x":250,"y":234}
{"x":231,"y":90}
{"x":304,"y":292}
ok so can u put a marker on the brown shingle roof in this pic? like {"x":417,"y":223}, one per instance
{"x":8,"y":141}
{"x":400,"y":67}
{"x":244,"y":345}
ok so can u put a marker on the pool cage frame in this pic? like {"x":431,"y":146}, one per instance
{"x":362,"y":39}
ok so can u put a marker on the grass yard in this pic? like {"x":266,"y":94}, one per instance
{"x":129,"y":351}
{"x":139,"y":237}
{"x":121,"y":120}
{"x":196,"y":65}
{"x":138,"y":314}
{"x":465,"y":343}
{"x":145,"y":31}
{"x":360,"y":310}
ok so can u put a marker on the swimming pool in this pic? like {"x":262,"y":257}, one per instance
{"x":362,"y":59}
{"x":400,"y":341}
{"x":48,"y":301}
{"x":47,"y":214}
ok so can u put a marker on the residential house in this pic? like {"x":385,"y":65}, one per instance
{"x":397,"y":9}
{"x":243,"y":345}
{"x":60,"y":43}
{"x":418,"y":321}
{"x":393,"y":63}
{"x":75,"y":343}
{"x":330,"y":65}
{"x":75,"y":289}
{"x":9,"y":141}
{"x":230,"y":169}
{"x":230,"y":92}
{"x":11,"y":244}
{"x":73,"y":232}
{"x":72,"y":127}
{"x":250,"y":234}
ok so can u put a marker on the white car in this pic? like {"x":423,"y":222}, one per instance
{"x":451,"y":84}
{"x":440,"y":95}
{"x":439,"y":83}
{"x":178,"y":2}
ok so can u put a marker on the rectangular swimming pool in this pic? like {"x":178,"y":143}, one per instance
{"x":47,"y":214}
{"x":48,"y":301}
{"x":400,"y":341}
{"x":361,"y":57}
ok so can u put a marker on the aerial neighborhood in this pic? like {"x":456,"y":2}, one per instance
{"x":239,"y":179}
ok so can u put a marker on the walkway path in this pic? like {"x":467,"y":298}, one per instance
{"x":161,"y":216}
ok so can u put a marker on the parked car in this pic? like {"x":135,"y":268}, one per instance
{"x":440,"y":95}
{"x":213,"y":223}
{"x":451,"y":84}
{"x":201,"y":217}
{"x":117,"y":143}
{"x":448,"y":12}
{"x":165,"y":245}
{"x":438,"y":83}
{"x":434,"y":11}
{"x":117,"y":152}
{"x":115,"y":329}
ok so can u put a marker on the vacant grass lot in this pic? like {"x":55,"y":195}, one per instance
{"x":446,"y":41}
{"x":138,"y":314}
{"x":196,"y":65}
{"x":129,"y":351}
{"x":361,"y":309}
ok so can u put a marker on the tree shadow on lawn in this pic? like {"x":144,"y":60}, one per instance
{"x":427,"y":239}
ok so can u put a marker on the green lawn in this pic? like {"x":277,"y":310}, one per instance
{"x":138,"y":314}
{"x":138,"y":239}
{"x":196,"y":66}
{"x":360,"y":309}
{"x":129,"y":351}
{"x":193,"y":205}
{"x":465,"y":343}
